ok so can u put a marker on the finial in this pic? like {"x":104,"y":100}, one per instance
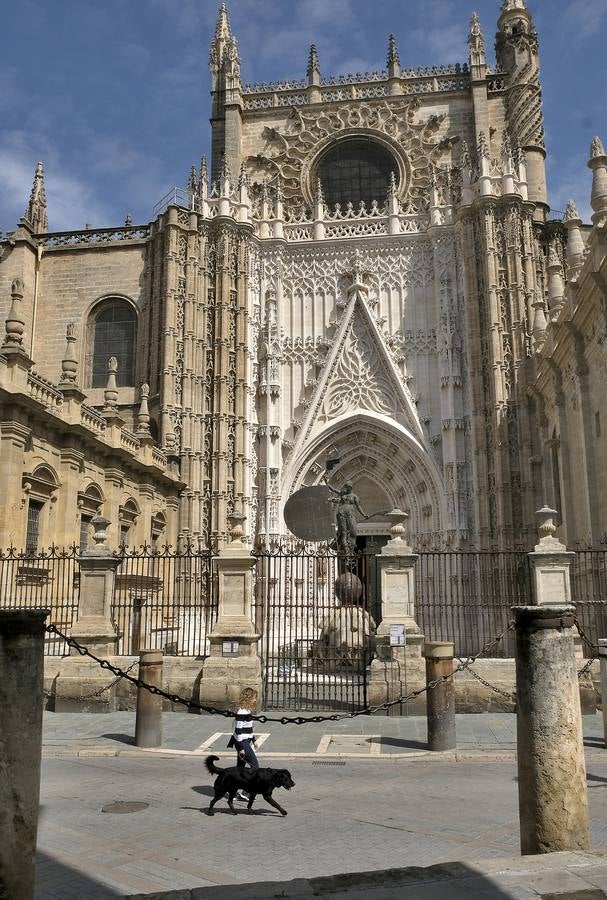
{"x":203,"y":181}
{"x":224,"y":57}
{"x":15,"y":323}
{"x":571,"y":213}
{"x":110,"y":393}
{"x":313,"y":62}
{"x":128,"y":220}
{"x":319,"y":197}
{"x":192,"y":181}
{"x":393,"y":57}
{"x":236,"y":520}
{"x":223,"y":30}
{"x":392,"y":185}
{"x":511,"y":5}
{"x":506,"y":146}
{"x":35,"y":213}
{"x":596,"y":148}
{"x":243,"y":178}
{"x":69,"y":363}
{"x":143,"y":416}
{"x":465,"y":155}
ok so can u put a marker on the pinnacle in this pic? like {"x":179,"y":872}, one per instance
{"x":393,"y":56}
{"x":597,"y":148}
{"x":313,"y":60}
{"x":511,"y":5}
{"x":571,"y":212}
{"x":222,"y":29}
{"x":35,"y":213}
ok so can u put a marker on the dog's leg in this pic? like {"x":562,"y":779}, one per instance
{"x":211,"y":811}
{"x":273,"y":803}
{"x":231,"y":796}
{"x":250,"y":803}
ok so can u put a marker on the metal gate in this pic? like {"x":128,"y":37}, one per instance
{"x":315,"y":645}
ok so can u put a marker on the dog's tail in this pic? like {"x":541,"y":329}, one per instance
{"x":210,"y":764}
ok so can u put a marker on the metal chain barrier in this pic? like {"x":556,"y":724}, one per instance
{"x":107,"y":687}
{"x":592,"y":647}
{"x":284,"y":720}
{"x":492,"y":687}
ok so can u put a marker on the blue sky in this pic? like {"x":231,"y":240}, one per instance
{"x":113,"y":96}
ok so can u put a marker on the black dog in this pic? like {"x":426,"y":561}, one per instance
{"x":253,"y":781}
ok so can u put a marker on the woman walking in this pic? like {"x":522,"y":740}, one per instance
{"x":243,"y":738}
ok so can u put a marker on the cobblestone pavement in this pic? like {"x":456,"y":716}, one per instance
{"x":347,"y":815}
{"x":373,"y":736}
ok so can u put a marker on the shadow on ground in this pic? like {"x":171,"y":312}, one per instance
{"x":404,"y":742}
{"x":122,"y":738}
{"x":56,"y":879}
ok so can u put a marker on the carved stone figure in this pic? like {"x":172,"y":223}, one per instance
{"x":346,"y":502}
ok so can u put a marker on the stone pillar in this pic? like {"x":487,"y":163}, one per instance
{"x":397,"y":669}
{"x":550,"y":562}
{"x":21,"y":704}
{"x":148,"y":720}
{"x":440,"y":700}
{"x":396,"y":564}
{"x":553,"y":800}
{"x":80,"y":677}
{"x":233,"y":663}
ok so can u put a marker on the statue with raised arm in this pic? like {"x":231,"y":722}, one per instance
{"x":345,"y":502}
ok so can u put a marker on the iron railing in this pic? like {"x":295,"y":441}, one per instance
{"x":589,"y":593}
{"x":466,"y":596}
{"x":165,"y":599}
{"x":315,"y":649}
{"x":44,"y":579}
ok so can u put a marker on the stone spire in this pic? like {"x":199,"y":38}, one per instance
{"x":476,"y":44}
{"x":224,"y":58}
{"x":313,"y":70}
{"x":598,"y":164}
{"x":393,"y":61}
{"x":110,"y":394}
{"x":35,"y":213}
{"x":192,"y":186}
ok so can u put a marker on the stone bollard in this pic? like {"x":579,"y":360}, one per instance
{"x":603,"y":662}
{"x":553,"y":799}
{"x":21,"y":704}
{"x":148,"y":718}
{"x":440,"y":701}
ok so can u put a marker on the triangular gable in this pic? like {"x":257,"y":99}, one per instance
{"x":359,"y":374}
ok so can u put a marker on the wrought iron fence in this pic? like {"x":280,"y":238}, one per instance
{"x":466,"y":596}
{"x":589,"y":592}
{"x":165,"y":600}
{"x":315,"y":646}
{"x":45,"y":579}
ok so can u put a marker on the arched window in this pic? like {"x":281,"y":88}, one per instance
{"x":114,"y":329}
{"x":356,"y":170}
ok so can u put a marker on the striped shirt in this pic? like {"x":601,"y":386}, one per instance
{"x":243,"y":727}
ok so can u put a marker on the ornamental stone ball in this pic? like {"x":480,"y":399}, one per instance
{"x":348,"y":588}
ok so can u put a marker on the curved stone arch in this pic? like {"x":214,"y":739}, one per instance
{"x":403,"y":455}
{"x":394,"y":148}
{"x":87,"y":327}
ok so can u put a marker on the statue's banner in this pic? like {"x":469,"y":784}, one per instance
{"x":309,"y":514}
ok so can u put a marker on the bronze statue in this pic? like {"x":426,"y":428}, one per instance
{"x":345,"y":503}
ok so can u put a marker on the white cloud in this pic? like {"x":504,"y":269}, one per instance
{"x":584,"y":18}
{"x":570,"y":179}
{"x":70,"y":201}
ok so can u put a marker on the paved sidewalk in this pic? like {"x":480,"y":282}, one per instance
{"x":393,"y":737}
{"x":119,"y":827}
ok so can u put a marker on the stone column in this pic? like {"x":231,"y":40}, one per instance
{"x":21,"y":703}
{"x":553,"y":800}
{"x":440,"y":700}
{"x":398,"y":668}
{"x":80,"y":677}
{"x":550,"y":562}
{"x":233,"y":662}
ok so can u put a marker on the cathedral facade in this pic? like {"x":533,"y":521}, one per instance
{"x":369,"y":273}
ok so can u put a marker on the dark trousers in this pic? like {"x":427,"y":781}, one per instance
{"x":249,"y":756}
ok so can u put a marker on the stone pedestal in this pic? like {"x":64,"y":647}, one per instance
{"x":21,"y":704}
{"x":550,"y":562}
{"x":553,"y":800}
{"x":80,"y":678}
{"x":233,"y":663}
{"x":396,"y":564}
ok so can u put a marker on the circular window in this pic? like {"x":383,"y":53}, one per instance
{"x":356,"y":170}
